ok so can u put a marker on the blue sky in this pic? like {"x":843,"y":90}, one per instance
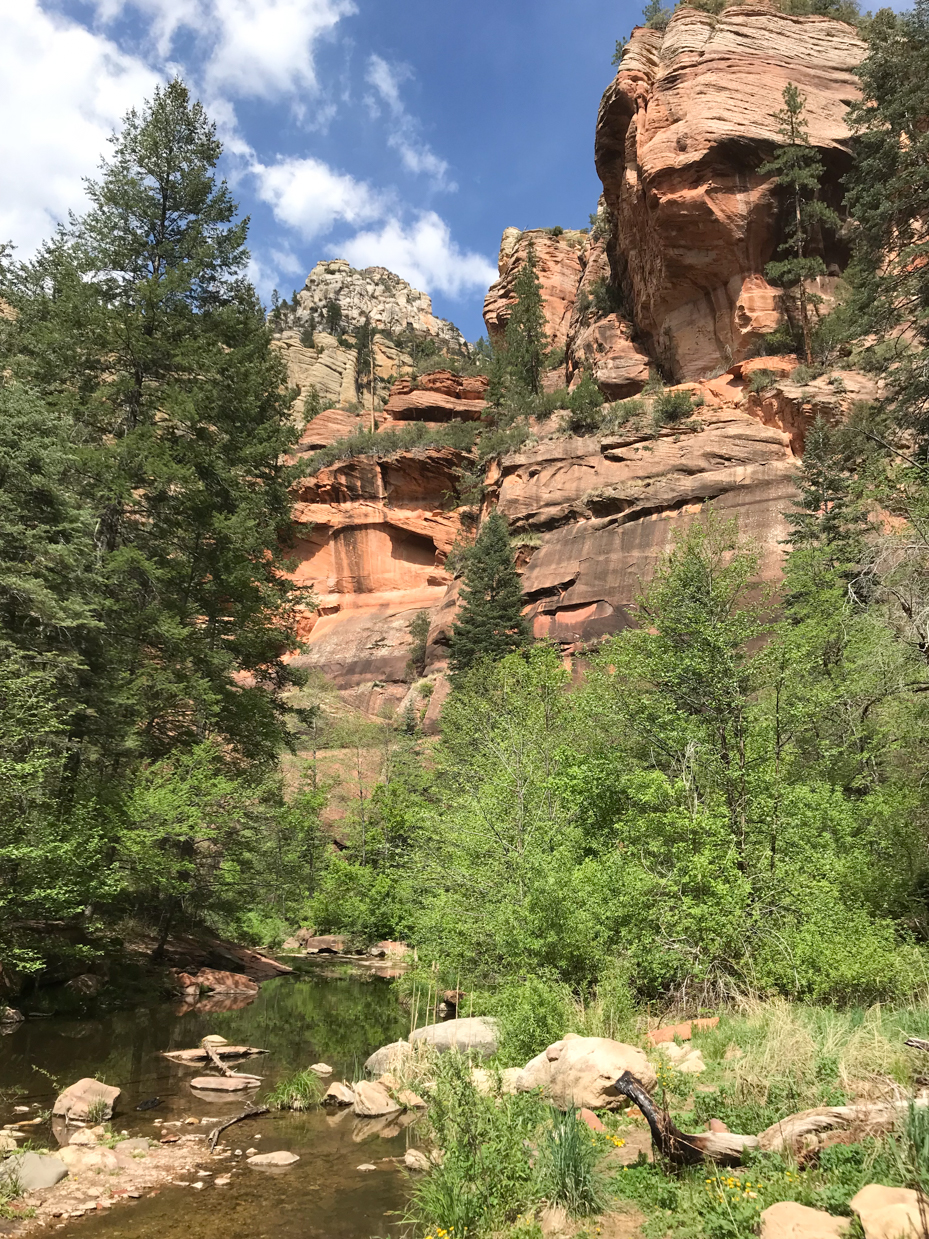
{"x":398,"y":132}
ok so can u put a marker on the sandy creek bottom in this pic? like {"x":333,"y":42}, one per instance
{"x":330,"y":1014}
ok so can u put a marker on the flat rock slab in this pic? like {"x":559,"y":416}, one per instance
{"x":224,"y":1084}
{"x":217,"y":982}
{"x":32,"y":1171}
{"x":281,"y":1158}
{"x":76,"y":1102}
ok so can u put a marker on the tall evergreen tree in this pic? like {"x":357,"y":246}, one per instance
{"x":137,"y":325}
{"x":798,"y":168}
{"x":520,"y":359}
{"x":490,"y":623}
{"x":889,"y":201}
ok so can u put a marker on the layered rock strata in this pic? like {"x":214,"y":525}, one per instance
{"x":558,"y":264}
{"x":681,"y":135}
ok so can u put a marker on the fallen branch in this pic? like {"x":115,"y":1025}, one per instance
{"x":917,"y":1043}
{"x":680,"y":1148}
{"x":250,"y":1113}
{"x":218,"y":1062}
{"x":871,"y":1117}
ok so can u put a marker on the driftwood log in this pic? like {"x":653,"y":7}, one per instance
{"x":869,"y":1118}
{"x":250,"y":1112}
{"x":677,"y":1147}
{"x":218,"y":1062}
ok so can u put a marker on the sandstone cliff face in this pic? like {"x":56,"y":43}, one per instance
{"x":680,"y":136}
{"x":558,"y":261}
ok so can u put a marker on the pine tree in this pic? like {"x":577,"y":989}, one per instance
{"x":889,"y":202}
{"x":490,"y":623}
{"x":797,"y":167}
{"x":138,"y":327}
{"x":526,"y":342}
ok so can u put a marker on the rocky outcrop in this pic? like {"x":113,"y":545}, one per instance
{"x":681,"y":134}
{"x":318,"y":354}
{"x":558,"y":262}
{"x":601,"y":343}
{"x":582,"y":1072}
{"x":438,"y":397}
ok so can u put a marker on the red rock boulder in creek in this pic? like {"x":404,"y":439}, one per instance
{"x":86,"y":1099}
{"x":580,"y":1072}
{"x":681,"y":134}
{"x":558,"y":262}
{"x":215,"y":982}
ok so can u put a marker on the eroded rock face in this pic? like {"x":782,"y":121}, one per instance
{"x":681,"y":133}
{"x":603,"y":345}
{"x":438,"y":397}
{"x":558,"y":261}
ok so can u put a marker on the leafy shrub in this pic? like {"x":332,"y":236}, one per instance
{"x":806,"y":374}
{"x":532,"y":1013}
{"x":498,"y":442}
{"x":459,"y":435}
{"x":672,"y":407}
{"x":760,"y":379}
{"x":606,"y":298}
{"x":357,"y":900}
{"x":307,"y":338}
{"x":585,"y":404}
{"x":485,"y":1179}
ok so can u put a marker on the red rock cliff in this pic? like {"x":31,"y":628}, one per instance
{"x":681,"y":134}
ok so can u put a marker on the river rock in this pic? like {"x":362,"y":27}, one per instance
{"x":217,"y":982}
{"x":416,"y":1160}
{"x":581,"y":1072}
{"x":281,"y":1158}
{"x":890,"y":1212}
{"x":7,"y":1142}
{"x":224,"y":1084}
{"x":32,"y":1171}
{"x":373,"y":1100}
{"x":340,"y":1094}
{"x":476,"y":1032}
{"x":80,"y":1157}
{"x":321,"y":1069}
{"x":76,"y":1102}
{"x":388,"y":1057}
{"x":84,"y":1136}
{"x":410,"y":1100}
{"x":787,"y":1220}
{"x":9,"y":1015}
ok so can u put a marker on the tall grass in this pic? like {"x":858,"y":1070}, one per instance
{"x":297,"y":1092}
{"x":567,"y":1166}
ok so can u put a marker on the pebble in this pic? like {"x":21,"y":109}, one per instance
{"x":20,"y":1109}
{"x":250,"y":1152}
{"x":238,"y":1152}
{"x":366,"y":1166}
{"x":223,"y":1180}
{"x":198,"y":1186}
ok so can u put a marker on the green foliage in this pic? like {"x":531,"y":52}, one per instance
{"x":532,"y":1013}
{"x":519,"y":359}
{"x":490,"y":623}
{"x":312,"y":404}
{"x":300,"y":1091}
{"x":759,"y":380}
{"x":332,"y":315}
{"x":672,"y":407}
{"x":459,"y":435}
{"x":585,"y":404}
{"x":485,"y":1178}
{"x":798,"y":168}
{"x":567,"y":1166}
{"x":418,"y":629}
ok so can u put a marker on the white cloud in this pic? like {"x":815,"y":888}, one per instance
{"x":251,"y":48}
{"x":415,"y":154}
{"x":424,"y":254}
{"x":62,"y":92}
{"x":311,"y":197}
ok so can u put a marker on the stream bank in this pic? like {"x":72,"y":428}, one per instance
{"x":325,"y":1011}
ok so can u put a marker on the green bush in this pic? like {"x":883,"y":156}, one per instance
{"x":760,"y":379}
{"x":300,"y":1091}
{"x":532,"y":1013}
{"x":358,"y":900}
{"x":459,"y":435}
{"x":672,"y":407}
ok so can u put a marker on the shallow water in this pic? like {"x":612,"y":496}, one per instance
{"x":325,"y":1013}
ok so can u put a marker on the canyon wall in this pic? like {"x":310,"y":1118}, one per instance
{"x":669,"y":282}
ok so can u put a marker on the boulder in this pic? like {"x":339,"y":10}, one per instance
{"x":891,"y":1212}
{"x":681,"y":1032}
{"x":86,"y":985}
{"x":485,"y":1080}
{"x":7,"y":1142}
{"x":32,"y":1171}
{"x":340,"y":1095}
{"x":686,"y":1060}
{"x":787,"y":1220}
{"x":588,"y":1117}
{"x":373,"y":1100}
{"x":84,"y":1136}
{"x":324,"y":944}
{"x":216,"y":982}
{"x":387,"y":1057}
{"x":281,"y":1158}
{"x":82,"y":1157}
{"x":415,"y":1160}
{"x":478,"y":1033}
{"x":87,"y":1098}
{"x":321,"y":1069}
{"x":581,"y":1072}
{"x":410,"y":1100}
{"x":9,"y":1015}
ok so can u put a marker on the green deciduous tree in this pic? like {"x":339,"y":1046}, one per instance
{"x":798,"y":168}
{"x":490,"y":623}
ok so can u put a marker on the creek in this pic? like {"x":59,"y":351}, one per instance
{"x":323,"y":1013}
